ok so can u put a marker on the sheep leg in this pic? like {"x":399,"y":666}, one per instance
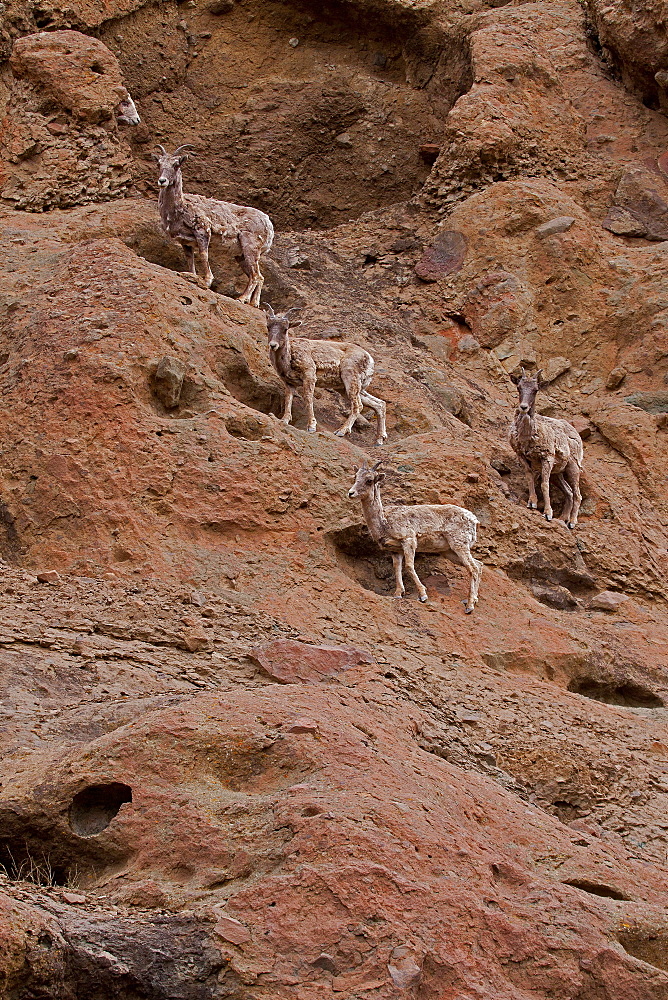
{"x":398,"y":561}
{"x":287,"y":405}
{"x":353,"y":389}
{"x":255,"y":299}
{"x":545,"y":473}
{"x":533,"y":499}
{"x":189,"y":251}
{"x":309,"y":389}
{"x":568,"y":493}
{"x":572,"y":472}
{"x":463,"y":553}
{"x":203,"y":240}
{"x":251,"y":267}
{"x":409,"y":547}
{"x":379,"y":408}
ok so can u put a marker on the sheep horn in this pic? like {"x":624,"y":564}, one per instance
{"x":186,"y":145}
{"x":292,"y":309}
{"x":270,"y":310}
{"x":539,"y":374}
{"x":162,"y":150}
{"x":377,"y":465}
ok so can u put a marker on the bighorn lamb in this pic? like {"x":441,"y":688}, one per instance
{"x":300,"y":363}
{"x":420,"y":528}
{"x":548,"y":446}
{"x":192,"y":218}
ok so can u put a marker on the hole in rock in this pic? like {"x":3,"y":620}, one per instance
{"x":248,"y":389}
{"x":648,"y":945}
{"x":97,"y":68}
{"x":628,"y":694}
{"x":596,"y":888}
{"x":327,"y":129}
{"x":93,"y":809}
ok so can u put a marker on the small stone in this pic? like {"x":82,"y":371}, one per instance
{"x":607,"y":600}
{"x":615,"y":378}
{"x":472,"y":477}
{"x":230,"y":929}
{"x":326,"y":962}
{"x":220,"y":6}
{"x":468,"y":344}
{"x":195,"y":642}
{"x":72,"y":897}
{"x":344,"y":140}
{"x":559,"y":225}
{"x":71,"y":355}
{"x":304,"y":726}
{"x":48,"y":576}
{"x":622,"y":223}
{"x":294,"y":42}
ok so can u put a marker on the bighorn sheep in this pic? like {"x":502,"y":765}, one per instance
{"x":419,"y":528}
{"x":192,"y":218}
{"x":300,"y":363}
{"x":126,"y":111}
{"x":548,"y":446}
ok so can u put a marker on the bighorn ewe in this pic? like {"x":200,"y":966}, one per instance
{"x":420,"y":528}
{"x":192,"y":218}
{"x":300,"y":363}
{"x":548,"y":446}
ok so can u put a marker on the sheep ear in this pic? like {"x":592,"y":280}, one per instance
{"x":297,"y":323}
{"x":515,"y":379}
{"x":539,"y":377}
{"x":379,"y":477}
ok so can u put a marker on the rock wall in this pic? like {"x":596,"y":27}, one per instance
{"x":233,"y":765}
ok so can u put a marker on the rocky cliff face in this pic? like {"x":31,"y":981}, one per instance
{"x":232,"y":765}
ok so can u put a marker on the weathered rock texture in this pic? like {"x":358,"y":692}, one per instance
{"x":60,"y":144}
{"x":232,"y":764}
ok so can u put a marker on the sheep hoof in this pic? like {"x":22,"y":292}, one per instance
{"x":532,"y":506}
{"x":548,"y":517}
{"x":397,"y":597}
{"x":311,"y":430}
{"x":422,"y":599}
{"x":468,"y":611}
{"x":570,"y":524}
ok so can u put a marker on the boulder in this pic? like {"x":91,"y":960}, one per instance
{"x":292,"y":662}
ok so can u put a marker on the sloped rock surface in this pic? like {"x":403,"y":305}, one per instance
{"x":233,"y":765}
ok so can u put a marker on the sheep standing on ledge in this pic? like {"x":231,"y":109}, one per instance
{"x":548,"y":446}
{"x":346,"y":368}
{"x":406,"y":530}
{"x":192,"y":218}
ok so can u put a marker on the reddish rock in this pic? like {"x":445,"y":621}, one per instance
{"x":290,"y":662}
{"x":48,"y":576}
{"x":443,"y":257}
{"x":230,"y":929}
{"x":607,"y":600}
{"x":78,"y":72}
{"x":304,"y":726}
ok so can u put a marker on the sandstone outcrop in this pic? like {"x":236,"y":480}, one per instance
{"x":60,"y":144}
